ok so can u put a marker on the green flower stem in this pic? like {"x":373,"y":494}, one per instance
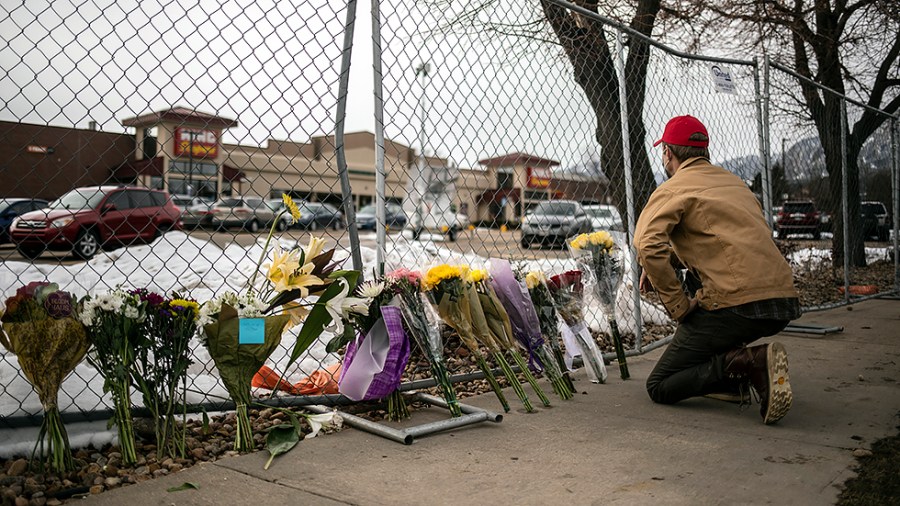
{"x":124,"y":424}
{"x":396,"y":407}
{"x":556,"y":378}
{"x":620,"y":351}
{"x":520,"y":361}
{"x":489,"y":376}
{"x":59,"y":455}
{"x":513,"y":381}
{"x":243,"y":436}
{"x":443,"y":381}
{"x":262,"y":256}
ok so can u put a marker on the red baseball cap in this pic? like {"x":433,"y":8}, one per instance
{"x":679,"y":130}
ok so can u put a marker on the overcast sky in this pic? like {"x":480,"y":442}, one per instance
{"x":274,"y":67}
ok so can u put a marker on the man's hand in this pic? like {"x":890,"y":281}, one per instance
{"x":645,"y":285}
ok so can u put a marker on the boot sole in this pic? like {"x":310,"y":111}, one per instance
{"x":780,"y":396}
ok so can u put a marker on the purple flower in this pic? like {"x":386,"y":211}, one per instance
{"x":152,"y":299}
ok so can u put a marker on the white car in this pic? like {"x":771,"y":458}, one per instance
{"x":605,"y":217}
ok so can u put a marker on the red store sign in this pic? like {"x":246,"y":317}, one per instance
{"x":196,"y":142}
{"x":538,"y":177}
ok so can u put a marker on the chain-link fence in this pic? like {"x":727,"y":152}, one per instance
{"x":502,"y":133}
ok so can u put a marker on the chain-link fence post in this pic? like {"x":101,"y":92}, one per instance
{"x":339,"y":146}
{"x":380,"y":218}
{"x":845,"y":197}
{"x":762,"y":122}
{"x":629,"y":189}
{"x":895,"y":200}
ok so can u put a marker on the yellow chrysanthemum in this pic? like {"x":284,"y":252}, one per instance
{"x":439,"y":273}
{"x":580,"y":242}
{"x":476,"y":275}
{"x":291,"y":206}
{"x":534,"y":278}
{"x":187,"y":304}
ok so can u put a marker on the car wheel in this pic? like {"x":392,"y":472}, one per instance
{"x":526,"y":244}
{"x":337,"y":225}
{"x":30,"y":252}
{"x":282,"y":226}
{"x":313,"y":225}
{"x":817,"y":234}
{"x":86,"y":245}
{"x":253,"y":226}
{"x":451,"y":234}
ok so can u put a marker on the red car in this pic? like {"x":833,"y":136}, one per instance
{"x":799,"y":216}
{"x":87,"y":219}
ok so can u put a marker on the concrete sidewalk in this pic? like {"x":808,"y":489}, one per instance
{"x":608,"y":445}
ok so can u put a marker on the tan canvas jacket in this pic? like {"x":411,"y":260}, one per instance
{"x":712,"y":222}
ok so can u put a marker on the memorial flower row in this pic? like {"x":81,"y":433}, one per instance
{"x":139,"y":341}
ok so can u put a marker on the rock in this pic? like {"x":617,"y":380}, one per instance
{"x":462,"y":352}
{"x":174,"y":468}
{"x":99,"y":480}
{"x":37,"y":494}
{"x":160,"y":472}
{"x":142,"y":471}
{"x":102,"y":461}
{"x":153,"y":467}
{"x":53,"y":502}
{"x":111,"y":470}
{"x":198,"y":453}
{"x":37,"y":501}
{"x":31,"y":486}
{"x":21,"y":501}
{"x":93,"y":468}
{"x":266,"y":413}
{"x":18,"y":467}
{"x":96,"y":489}
{"x":167,"y":463}
{"x":862,"y":452}
{"x":95,"y":456}
{"x":112,"y":482}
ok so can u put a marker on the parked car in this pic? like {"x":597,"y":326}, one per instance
{"x":195,"y":211}
{"x":605,"y":217}
{"x":11,"y":208}
{"x":798,"y":216}
{"x":553,"y":222}
{"x":394,"y":217}
{"x":876,"y":221}
{"x":249,"y":213}
{"x":316,"y":215}
{"x":86,"y":219}
{"x":462,"y":221}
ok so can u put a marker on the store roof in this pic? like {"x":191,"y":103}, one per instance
{"x":180,"y":115}
{"x":517,"y":158}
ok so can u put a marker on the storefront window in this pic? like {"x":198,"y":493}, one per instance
{"x":196,"y":168}
{"x":157,"y":183}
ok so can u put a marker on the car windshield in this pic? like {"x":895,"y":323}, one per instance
{"x":230,"y":203}
{"x":873,"y":208}
{"x":4,"y":203}
{"x":599,"y":212}
{"x":369,"y":209}
{"x":799,"y":207}
{"x":555,"y":209}
{"x":83,"y":198}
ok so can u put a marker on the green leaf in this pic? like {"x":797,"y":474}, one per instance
{"x":352,"y":277}
{"x":340,"y":340}
{"x":206,"y":428}
{"x":184,"y":486}
{"x":317,"y":320}
{"x":281,"y":439}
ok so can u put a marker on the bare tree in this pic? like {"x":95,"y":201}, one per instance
{"x":849,"y":46}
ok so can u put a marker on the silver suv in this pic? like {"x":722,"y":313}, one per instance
{"x":553,"y":222}
{"x":250,"y":213}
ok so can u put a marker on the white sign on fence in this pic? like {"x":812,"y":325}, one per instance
{"x":722,"y":80}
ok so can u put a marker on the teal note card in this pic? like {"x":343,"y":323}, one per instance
{"x":252,"y":331}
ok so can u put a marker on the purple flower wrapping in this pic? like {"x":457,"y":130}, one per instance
{"x":374,"y":364}
{"x":517,"y":302}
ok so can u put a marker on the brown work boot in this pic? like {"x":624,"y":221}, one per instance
{"x":766,"y":366}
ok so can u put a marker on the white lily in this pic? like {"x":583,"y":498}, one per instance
{"x":340,"y":306}
{"x":316,"y":422}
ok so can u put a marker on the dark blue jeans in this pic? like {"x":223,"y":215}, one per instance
{"x":694,"y":362}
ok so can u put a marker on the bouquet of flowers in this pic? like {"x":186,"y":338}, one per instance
{"x":114,"y":327}
{"x":162,"y":362}
{"x":375,"y":361}
{"x":39,"y":329}
{"x":568,"y":296}
{"x":446,"y":288}
{"x":496,"y":336}
{"x":597,"y":257}
{"x":241,"y":331}
{"x":548,"y":320}
{"x":423,"y":325}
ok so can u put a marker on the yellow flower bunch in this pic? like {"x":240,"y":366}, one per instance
{"x":440,"y":273}
{"x":601,"y":239}
{"x":291,"y":206}
{"x":534,"y":279}
{"x":476,"y":275}
{"x":187,"y":304}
